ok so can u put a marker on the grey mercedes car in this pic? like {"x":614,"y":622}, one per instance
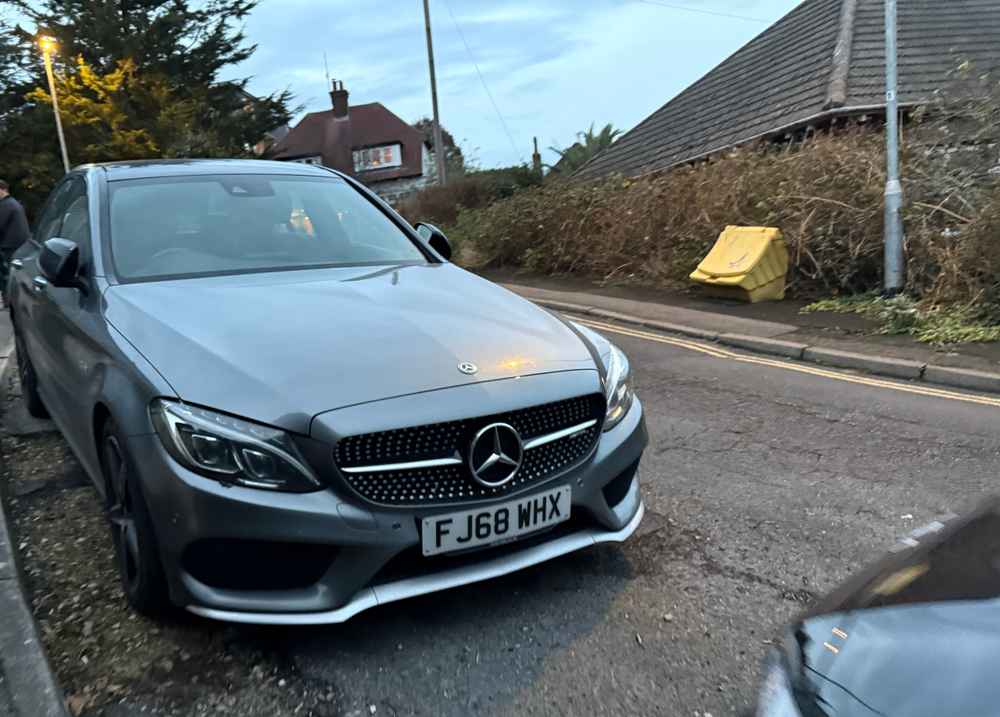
{"x":295,"y":408}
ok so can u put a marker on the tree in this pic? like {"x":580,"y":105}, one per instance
{"x":453,"y":158}
{"x":588,"y":146}
{"x":93,"y":103}
{"x":136,"y":79}
{"x":15,"y":69}
{"x":30,"y":157}
{"x":189,"y":42}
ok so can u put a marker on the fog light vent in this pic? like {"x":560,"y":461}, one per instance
{"x":616,"y":490}
{"x":257,"y":565}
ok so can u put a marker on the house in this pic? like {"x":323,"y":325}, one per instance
{"x":271,"y":138}
{"x":365,"y":141}
{"x":822,"y":61}
{"x":560,"y":167}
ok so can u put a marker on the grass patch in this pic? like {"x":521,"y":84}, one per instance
{"x":902,"y":315}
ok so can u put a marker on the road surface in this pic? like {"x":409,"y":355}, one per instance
{"x":766,"y":483}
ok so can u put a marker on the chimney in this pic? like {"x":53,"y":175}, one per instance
{"x":338,"y":95}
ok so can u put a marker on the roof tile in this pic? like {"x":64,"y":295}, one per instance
{"x":367,"y":125}
{"x":782,"y":77}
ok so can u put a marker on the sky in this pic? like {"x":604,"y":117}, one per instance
{"x":552,"y":67}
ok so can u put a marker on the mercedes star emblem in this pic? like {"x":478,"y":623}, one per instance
{"x":496,"y":455}
{"x":467,"y":367}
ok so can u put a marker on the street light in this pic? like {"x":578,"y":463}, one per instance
{"x":438,"y":144}
{"x":49,"y":45}
{"x":894,"y":259}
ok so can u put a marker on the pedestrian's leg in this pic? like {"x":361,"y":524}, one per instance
{"x":4,"y":274}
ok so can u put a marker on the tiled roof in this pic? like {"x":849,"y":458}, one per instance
{"x":935,"y":36}
{"x":367,"y":125}
{"x":825,"y":57}
{"x":279,"y":133}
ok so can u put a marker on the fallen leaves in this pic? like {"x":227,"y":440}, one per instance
{"x":104,"y":653}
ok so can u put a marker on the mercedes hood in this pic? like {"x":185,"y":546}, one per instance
{"x":282,"y":347}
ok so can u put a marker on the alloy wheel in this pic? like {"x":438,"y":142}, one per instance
{"x":121,"y":513}
{"x":23,"y":367}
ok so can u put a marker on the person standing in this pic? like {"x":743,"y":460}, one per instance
{"x":13,"y":232}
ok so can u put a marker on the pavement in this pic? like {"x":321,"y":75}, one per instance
{"x":781,"y":319}
{"x":829,"y":339}
{"x":27,"y":686}
{"x":767,"y":481}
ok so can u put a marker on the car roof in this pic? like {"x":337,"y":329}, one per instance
{"x":146,"y":168}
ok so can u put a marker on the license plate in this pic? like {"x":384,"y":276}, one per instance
{"x":496,"y":524}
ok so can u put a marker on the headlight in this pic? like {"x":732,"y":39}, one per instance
{"x":775,"y":698}
{"x":617,"y":388}
{"x":232,"y":450}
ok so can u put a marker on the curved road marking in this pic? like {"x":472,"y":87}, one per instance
{"x":717,"y":352}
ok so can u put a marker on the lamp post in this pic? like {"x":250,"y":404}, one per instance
{"x":438,"y":144}
{"x":48,"y":45}
{"x":894,"y":260}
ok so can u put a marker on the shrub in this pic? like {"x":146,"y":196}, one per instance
{"x":471,"y":190}
{"x":825,"y":195}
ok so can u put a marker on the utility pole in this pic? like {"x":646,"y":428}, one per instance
{"x":438,"y":144}
{"x":48,"y":44}
{"x":893,"y":279}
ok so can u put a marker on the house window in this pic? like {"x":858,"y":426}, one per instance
{"x":388,"y":155}
{"x":317,"y":160}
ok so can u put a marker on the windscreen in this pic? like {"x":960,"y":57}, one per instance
{"x":190,"y":226}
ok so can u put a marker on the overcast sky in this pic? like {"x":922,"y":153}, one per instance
{"x":552,"y":66}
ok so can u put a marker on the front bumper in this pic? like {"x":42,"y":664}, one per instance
{"x":385,"y":593}
{"x":188,"y":509}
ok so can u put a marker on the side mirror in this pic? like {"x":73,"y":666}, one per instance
{"x":59,"y":262}
{"x":436,"y":238}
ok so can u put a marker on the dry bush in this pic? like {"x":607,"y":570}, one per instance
{"x":440,"y":205}
{"x":471,"y":190}
{"x":824,"y":193}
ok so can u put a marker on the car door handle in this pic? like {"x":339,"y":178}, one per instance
{"x":17,"y":263}
{"x":40,"y":283}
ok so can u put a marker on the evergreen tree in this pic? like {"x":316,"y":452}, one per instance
{"x":187,"y":41}
{"x":453,"y":157}
{"x":14,"y":69}
{"x":29,"y":155}
{"x":136,"y":79}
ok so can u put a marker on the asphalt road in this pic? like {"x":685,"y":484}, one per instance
{"x":764,"y":487}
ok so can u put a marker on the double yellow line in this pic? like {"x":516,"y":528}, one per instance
{"x":721,"y":353}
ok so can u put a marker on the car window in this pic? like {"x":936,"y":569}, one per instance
{"x":50,"y":220}
{"x":222,"y":224}
{"x":76,"y":220}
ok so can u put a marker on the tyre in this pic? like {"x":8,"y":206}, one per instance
{"x":136,"y":551}
{"x":29,"y":380}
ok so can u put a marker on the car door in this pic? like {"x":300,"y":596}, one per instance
{"x":67,"y":324}
{"x":26,"y":280}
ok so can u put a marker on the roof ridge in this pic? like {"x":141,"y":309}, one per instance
{"x":804,"y":10}
{"x":824,"y":59}
{"x":836,"y":92}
